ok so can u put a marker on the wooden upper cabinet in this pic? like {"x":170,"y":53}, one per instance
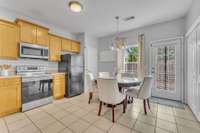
{"x":75,"y":47}
{"x":9,"y":38}
{"x":42,"y":36}
{"x":54,"y":48}
{"x":66,"y":45}
{"x":32,"y":33}
{"x":27,"y":32}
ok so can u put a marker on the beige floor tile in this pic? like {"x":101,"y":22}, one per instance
{"x":147,"y":119}
{"x":66,"y":130}
{"x":33,"y":111}
{"x":18,"y":124}
{"x":69,"y":119}
{"x":91,"y":118}
{"x":165,"y":109}
{"x":117,"y":128}
{"x":53,"y":110}
{"x":158,"y":130}
{"x":187,"y":123}
{"x":127,"y":122}
{"x":81,"y":113}
{"x":53,"y":128}
{"x":144,"y":128}
{"x":184,"y":114}
{"x":42,"y":123}
{"x":79,"y":126}
{"x":28,"y":129}
{"x":134,"y":131}
{"x":131,"y":114}
{"x":3,"y":127}
{"x":169,"y":126}
{"x":61,"y":114}
{"x":73,"y":108}
{"x":166,"y":117}
{"x":38,"y":116}
{"x":14,"y":117}
{"x":93,"y":129}
{"x":184,"y":129}
{"x":104,"y":124}
{"x":65,"y":105}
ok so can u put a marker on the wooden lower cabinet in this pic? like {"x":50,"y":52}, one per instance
{"x":58,"y":86}
{"x":10,"y":95}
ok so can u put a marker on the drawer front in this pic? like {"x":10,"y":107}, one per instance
{"x":10,"y":81}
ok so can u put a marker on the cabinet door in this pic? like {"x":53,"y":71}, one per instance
{"x":9,"y":39}
{"x":54,"y":48}
{"x":66,"y":45}
{"x":10,"y":99}
{"x":59,"y":86}
{"x":42,"y":36}
{"x":27,"y":32}
{"x":75,"y":47}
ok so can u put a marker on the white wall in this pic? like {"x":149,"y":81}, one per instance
{"x":193,"y":13}
{"x":89,"y":45}
{"x":154,"y":32}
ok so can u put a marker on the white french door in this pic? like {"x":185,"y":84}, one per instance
{"x":166,"y":61}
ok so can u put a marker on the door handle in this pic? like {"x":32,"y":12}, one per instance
{"x":152,"y":70}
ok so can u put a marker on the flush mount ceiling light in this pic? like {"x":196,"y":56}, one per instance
{"x":75,"y":6}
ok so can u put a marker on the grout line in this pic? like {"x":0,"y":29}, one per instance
{"x":6,"y":125}
{"x":33,"y":122}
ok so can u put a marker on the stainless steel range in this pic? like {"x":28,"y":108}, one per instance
{"x":36,"y":86}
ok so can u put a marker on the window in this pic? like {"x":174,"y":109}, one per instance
{"x":131,"y":60}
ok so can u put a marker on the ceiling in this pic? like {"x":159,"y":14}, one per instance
{"x":98,"y":16}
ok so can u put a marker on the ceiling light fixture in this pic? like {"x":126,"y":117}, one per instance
{"x":75,"y":6}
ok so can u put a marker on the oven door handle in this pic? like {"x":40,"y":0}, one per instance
{"x":35,"y":80}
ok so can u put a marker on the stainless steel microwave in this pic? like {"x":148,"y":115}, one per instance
{"x":33,"y":51}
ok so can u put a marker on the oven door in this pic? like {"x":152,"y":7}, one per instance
{"x":36,"y":90}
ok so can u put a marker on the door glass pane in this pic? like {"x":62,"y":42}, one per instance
{"x":160,"y":68}
{"x":170,"y":68}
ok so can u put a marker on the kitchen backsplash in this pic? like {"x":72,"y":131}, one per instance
{"x":53,"y":66}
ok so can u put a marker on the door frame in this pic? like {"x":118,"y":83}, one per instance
{"x":183,"y":92}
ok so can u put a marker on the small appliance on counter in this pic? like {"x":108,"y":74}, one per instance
{"x":72,"y":66}
{"x":7,"y":70}
{"x":36,"y":86}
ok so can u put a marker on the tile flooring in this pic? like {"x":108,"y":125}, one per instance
{"x":75,"y":115}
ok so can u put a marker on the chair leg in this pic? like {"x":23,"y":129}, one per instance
{"x":145,"y":109}
{"x":100,"y":106}
{"x":124,"y":105}
{"x":148,"y":104}
{"x":113,"y":113}
{"x":131,"y":99}
{"x":90,"y":97}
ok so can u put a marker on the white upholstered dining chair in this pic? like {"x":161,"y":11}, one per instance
{"x":142,"y":92}
{"x":109,"y":93}
{"x":91,"y":85}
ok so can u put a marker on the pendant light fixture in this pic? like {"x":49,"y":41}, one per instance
{"x":118,"y":42}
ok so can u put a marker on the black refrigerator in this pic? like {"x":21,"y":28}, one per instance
{"x":72,"y":66}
